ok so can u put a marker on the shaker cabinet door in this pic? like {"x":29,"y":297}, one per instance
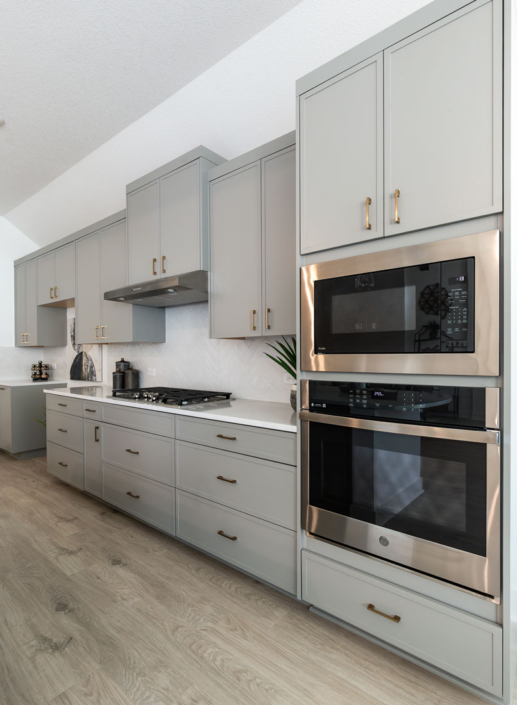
{"x":180,"y":221}
{"x":116,"y":319}
{"x":341,"y":157}
{"x":443,"y":121}
{"x":31,"y":303}
{"x":46,"y":278}
{"x":235,"y":237}
{"x":279,"y":243}
{"x":88,"y":305}
{"x":143,"y":233}
{"x":65,"y":273}
{"x":20,"y":308}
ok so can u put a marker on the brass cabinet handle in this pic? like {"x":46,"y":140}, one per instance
{"x":368,"y":204}
{"x":231,"y":538}
{"x":397,"y":196}
{"x":63,"y":430}
{"x":224,"y":479}
{"x":253,"y":326}
{"x":154,"y":268}
{"x":96,"y":329}
{"x":95,"y":436}
{"x":26,"y":337}
{"x":103,"y":337}
{"x":133,"y":452}
{"x":51,"y":293}
{"x":135,"y":496}
{"x":64,"y":465}
{"x":55,"y":293}
{"x":164,"y":271}
{"x":395,"y":618}
{"x":92,"y":411}
{"x":60,"y":404}
{"x":268,"y":311}
{"x":227,"y":438}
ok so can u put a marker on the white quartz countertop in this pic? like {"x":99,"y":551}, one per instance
{"x":29,"y":383}
{"x":263,"y":414}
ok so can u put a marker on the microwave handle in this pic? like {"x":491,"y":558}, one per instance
{"x":453,"y":434}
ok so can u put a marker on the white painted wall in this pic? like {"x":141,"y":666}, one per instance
{"x":243,"y":101}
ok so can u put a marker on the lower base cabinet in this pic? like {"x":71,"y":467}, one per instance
{"x":65,"y":464}
{"x":258,"y":547}
{"x":93,"y":480}
{"x":458,"y":643}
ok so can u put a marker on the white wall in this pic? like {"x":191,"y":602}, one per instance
{"x":243,"y":101}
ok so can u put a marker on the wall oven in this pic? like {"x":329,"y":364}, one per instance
{"x":407,"y":473}
{"x":424,"y":309}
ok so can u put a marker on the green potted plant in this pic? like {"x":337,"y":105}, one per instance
{"x":286,"y":358}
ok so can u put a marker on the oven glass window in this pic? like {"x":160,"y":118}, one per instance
{"x":429,"y":488}
{"x":422,"y":309}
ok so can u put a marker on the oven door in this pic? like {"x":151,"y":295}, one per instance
{"x":424,"y":497}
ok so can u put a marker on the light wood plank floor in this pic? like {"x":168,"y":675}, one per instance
{"x":97,"y":608}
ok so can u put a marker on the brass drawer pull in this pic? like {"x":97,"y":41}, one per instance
{"x":231,"y":538}
{"x":63,"y":430}
{"x":397,"y":196}
{"x":59,"y":404}
{"x":268,"y":311}
{"x":227,"y":438}
{"x":135,"y":496}
{"x":95,"y":436}
{"x":102,"y":333}
{"x":92,"y":411}
{"x":96,"y":329}
{"x":51,"y":293}
{"x":154,"y":266}
{"x":164,"y":271}
{"x":133,"y":452}
{"x":224,"y":479}
{"x":253,"y":326}
{"x":368,"y":204}
{"x":27,"y":335}
{"x":64,"y":465}
{"x":55,"y":293}
{"x":395,"y":618}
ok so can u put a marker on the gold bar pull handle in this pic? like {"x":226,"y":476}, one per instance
{"x":253,"y":326}
{"x":26,"y":338}
{"x":95,"y":434}
{"x":63,"y":430}
{"x":133,"y":452}
{"x":103,"y":337}
{"x":227,"y":438}
{"x":395,"y":618}
{"x":63,"y":465}
{"x":51,"y":289}
{"x":55,"y":293}
{"x":135,"y":496}
{"x":231,"y":538}
{"x":397,"y":196}
{"x":154,"y":266}
{"x":268,"y":311}
{"x":96,"y":329}
{"x":164,"y":271}
{"x":224,"y":479}
{"x":368,"y":204}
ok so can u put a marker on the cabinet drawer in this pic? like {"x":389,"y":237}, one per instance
{"x":65,"y":430}
{"x":65,"y":464}
{"x":161,"y":424}
{"x":149,"y":501}
{"x":459,"y":643}
{"x":91,"y":410}
{"x":258,"y":487}
{"x":258,"y":442}
{"x":262,"y":549}
{"x":142,"y":453}
{"x":65,"y":405}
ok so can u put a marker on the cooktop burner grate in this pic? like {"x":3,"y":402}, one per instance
{"x":171,"y":395}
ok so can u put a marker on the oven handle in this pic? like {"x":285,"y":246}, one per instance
{"x":453,"y":434}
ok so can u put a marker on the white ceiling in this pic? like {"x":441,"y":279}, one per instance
{"x":74,"y":73}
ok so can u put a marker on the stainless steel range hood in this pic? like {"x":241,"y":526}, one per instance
{"x":190,"y":288}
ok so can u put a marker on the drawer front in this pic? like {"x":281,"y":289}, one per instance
{"x":142,"y":453}
{"x":258,"y":442}
{"x":91,"y":410}
{"x":162,"y":424}
{"x":65,"y":405}
{"x":65,"y":464}
{"x":457,"y":642}
{"x":143,"y":498}
{"x":65,"y":430}
{"x":258,"y":487}
{"x":262,"y":549}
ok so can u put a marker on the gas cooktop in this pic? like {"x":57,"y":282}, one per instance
{"x":171,"y":395}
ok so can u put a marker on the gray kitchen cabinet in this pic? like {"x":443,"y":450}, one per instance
{"x":143,"y":233}
{"x":35,"y":325}
{"x":443,"y":121}
{"x":101,"y":267}
{"x":167,"y":222}
{"x":46,"y":278}
{"x":93,"y":476}
{"x":252,"y":243}
{"x":56,"y":277}
{"x":341,"y":158}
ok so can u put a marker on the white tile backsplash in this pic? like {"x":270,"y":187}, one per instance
{"x":15,"y":363}
{"x":192,"y":360}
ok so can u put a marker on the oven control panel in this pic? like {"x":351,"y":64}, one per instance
{"x":422,"y":404}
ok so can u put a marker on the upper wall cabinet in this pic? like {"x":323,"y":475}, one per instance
{"x":35,"y":325}
{"x":167,"y":219}
{"x":252,"y":243}
{"x":341,"y":159}
{"x":443,"y":121}
{"x":56,"y":277}
{"x":101,"y":267}
{"x":409,"y":139}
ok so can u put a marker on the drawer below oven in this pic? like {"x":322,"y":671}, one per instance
{"x":465,"y":646}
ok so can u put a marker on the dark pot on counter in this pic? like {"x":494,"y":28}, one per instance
{"x":132,"y":379}
{"x":122,"y":365}
{"x":118,"y":380}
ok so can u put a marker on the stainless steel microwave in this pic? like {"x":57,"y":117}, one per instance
{"x":423,"y":309}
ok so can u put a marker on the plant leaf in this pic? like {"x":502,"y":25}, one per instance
{"x":282,"y":364}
